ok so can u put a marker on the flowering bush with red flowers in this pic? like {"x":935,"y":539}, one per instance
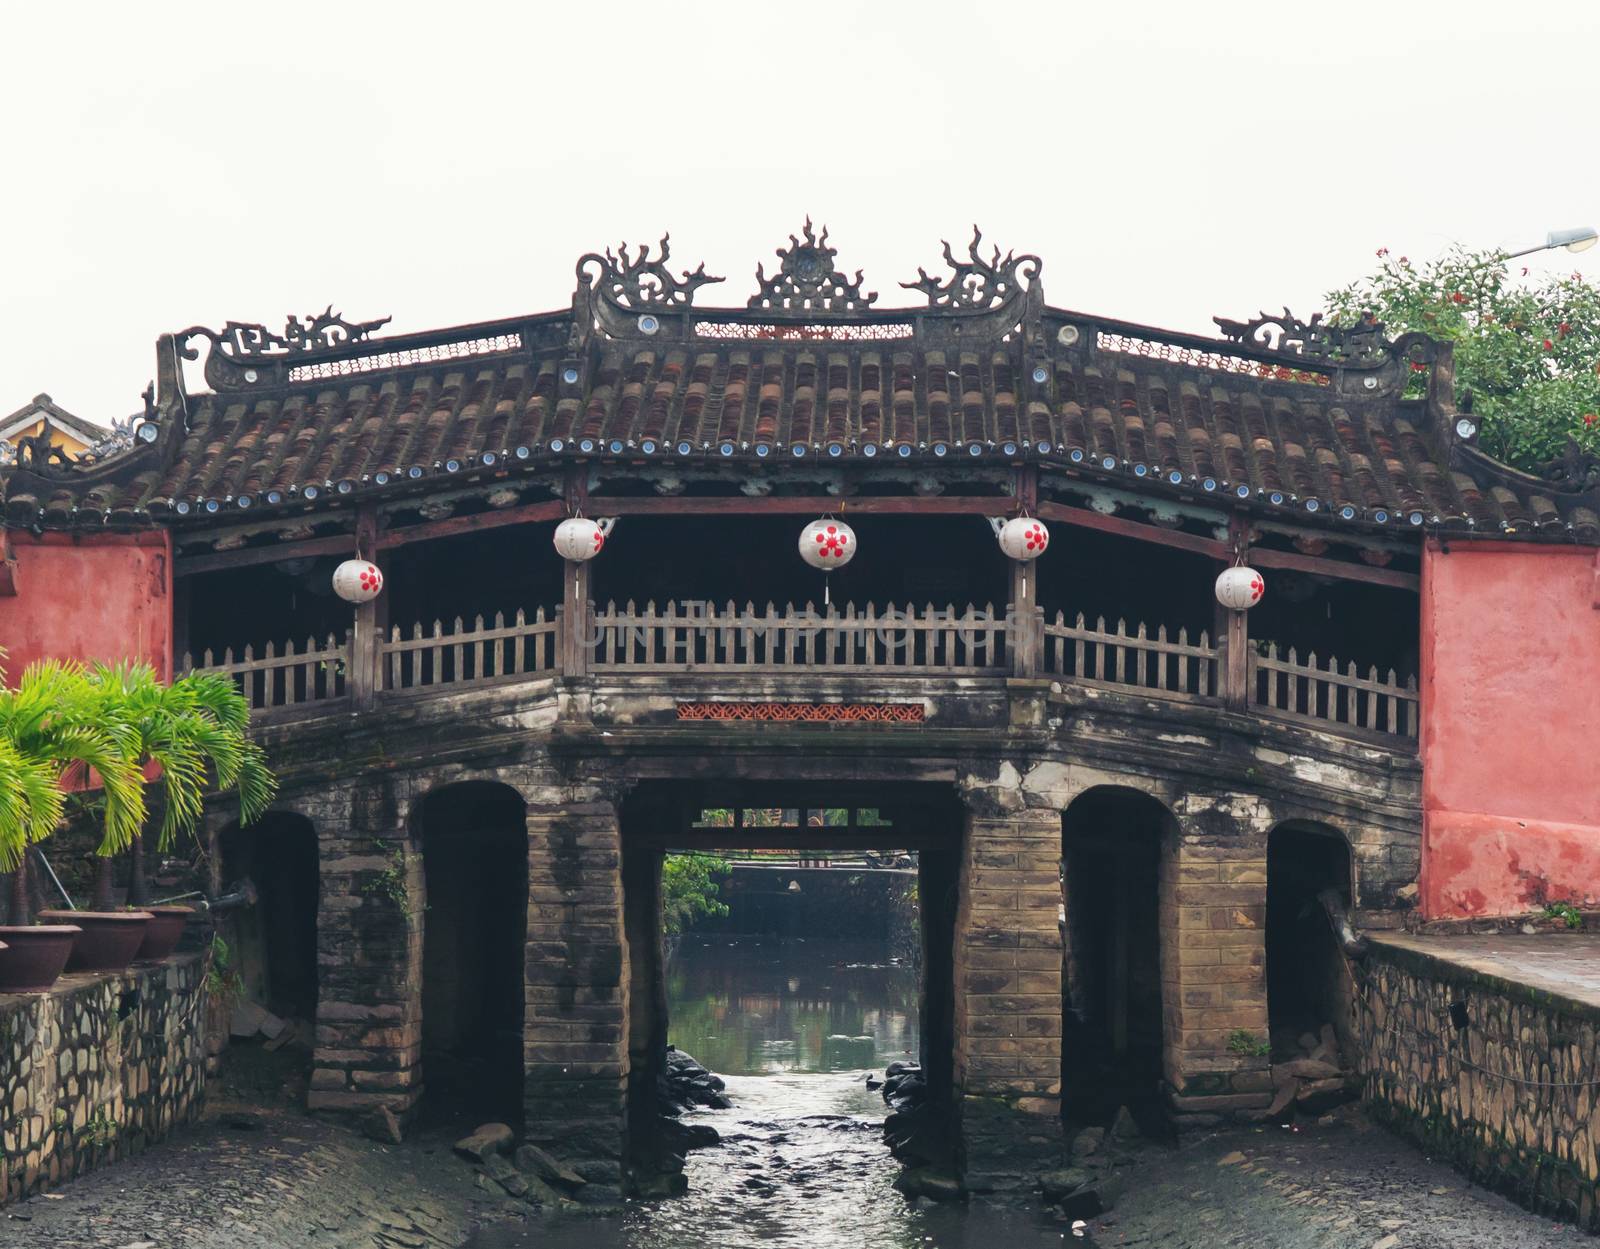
{"x":1527,"y":348}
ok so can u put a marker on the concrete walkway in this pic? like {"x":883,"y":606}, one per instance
{"x":1566,"y":964}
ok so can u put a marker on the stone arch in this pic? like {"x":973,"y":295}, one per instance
{"x":1310,"y":988}
{"x":1119,"y":848}
{"x":472,"y":836}
{"x":274,"y":942}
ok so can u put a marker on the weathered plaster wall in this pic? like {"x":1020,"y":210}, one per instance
{"x":1511,"y":789}
{"x":97,"y":1069}
{"x":98,"y":596}
{"x":1509,"y":1099}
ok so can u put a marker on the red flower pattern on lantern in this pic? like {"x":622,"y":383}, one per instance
{"x":827,"y":543}
{"x":357,"y":581}
{"x":831,"y":542}
{"x":1023,"y":538}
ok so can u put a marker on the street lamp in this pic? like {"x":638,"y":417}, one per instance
{"x":1580,"y":239}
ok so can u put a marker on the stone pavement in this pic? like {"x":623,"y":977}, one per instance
{"x":291,"y":1181}
{"x":1563,"y":963}
{"x":1341,"y":1184}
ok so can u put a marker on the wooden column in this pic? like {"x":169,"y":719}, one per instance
{"x":1233,"y":634}
{"x":1027,"y":624}
{"x":575,"y":625}
{"x":370,"y":618}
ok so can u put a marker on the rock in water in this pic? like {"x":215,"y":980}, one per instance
{"x":1059,"y":1184}
{"x":535,"y":1161}
{"x":489,"y":1138}
{"x":1087,"y":1141}
{"x":921,"y":1182}
{"x":382,"y":1126}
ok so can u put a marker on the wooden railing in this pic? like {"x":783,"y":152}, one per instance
{"x":1325,"y":695}
{"x":887,"y":640}
{"x":475,"y":655}
{"x":1173,"y":667}
{"x":317,"y":673}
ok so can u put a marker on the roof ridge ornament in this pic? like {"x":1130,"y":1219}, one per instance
{"x":643,"y":282}
{"x":1315,"y":339}
{"x":1575,"y":469}
{"x":807,"y":281}
{"x":976,"y":283}
{"x":321,"y":331}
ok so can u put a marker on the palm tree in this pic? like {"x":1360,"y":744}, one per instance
{"x":51,"y":723}
{"x":193,"y":729}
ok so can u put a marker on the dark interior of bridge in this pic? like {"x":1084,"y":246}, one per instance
{"x":1308,"y":980}
{"x":942,"y":560}
{"x":475,"y":863}
{"x":1114,"y":845}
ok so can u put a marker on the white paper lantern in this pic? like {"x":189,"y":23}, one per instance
{"x":1240,"y":588}
{"x":579,"y":538}
{"x":1024,"y":538}
{"x":827,"y":543}
{"x":356,"y":581}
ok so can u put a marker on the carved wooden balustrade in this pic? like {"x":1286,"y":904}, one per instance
{"x":881,"y":642}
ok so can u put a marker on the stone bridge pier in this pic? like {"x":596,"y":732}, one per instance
{"x":1056,"y":856}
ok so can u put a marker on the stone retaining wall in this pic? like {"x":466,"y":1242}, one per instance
{"x":1510,"y":1098}
{"x":96,"y":1069}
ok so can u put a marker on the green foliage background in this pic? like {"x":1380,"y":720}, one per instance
{"x":1527,"y":347}
{"x":689,"y":889}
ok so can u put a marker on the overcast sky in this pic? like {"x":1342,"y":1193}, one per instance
{"x":446,"y":163}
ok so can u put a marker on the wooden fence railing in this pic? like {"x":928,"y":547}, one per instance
{"x":871,"y":640}
{"x":1156,"y":663}
{"x":1325,"y":694}
{"x":886,"y":640}
{"x":317,"y":673}
{"x":468,"y":655}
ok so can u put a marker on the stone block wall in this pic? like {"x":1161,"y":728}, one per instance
{"x":97,"y":1069}
{"x":1512,"y":1099}
{"x":369,"y":954}
{"x":1213,"y":891}
{"x":575,"y":1034}
{"x":1008,"y":995}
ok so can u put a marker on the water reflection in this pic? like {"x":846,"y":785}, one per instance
{"x":757,"y":1006}
{"x":802,"y":1160}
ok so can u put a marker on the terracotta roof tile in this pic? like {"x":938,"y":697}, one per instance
{"x":1281,"y":436}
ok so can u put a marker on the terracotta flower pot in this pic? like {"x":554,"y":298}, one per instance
{"x":163,"y":933}
{"x":108,"y":940}
{"x":32,"y":959}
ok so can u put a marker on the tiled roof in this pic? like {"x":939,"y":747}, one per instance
{"x":1326,"y":437}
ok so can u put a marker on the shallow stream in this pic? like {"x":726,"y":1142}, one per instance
{"x":802,"y":1159}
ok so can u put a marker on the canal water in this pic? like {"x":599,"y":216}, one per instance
{"x":802,"y":1159}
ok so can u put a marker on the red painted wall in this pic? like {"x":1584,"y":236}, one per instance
{"x":1510,"y":733}
{"x":100,"y":596}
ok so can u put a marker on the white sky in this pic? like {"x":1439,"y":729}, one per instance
{"x":449,"y":162}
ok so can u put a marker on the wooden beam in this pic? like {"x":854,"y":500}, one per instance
{"x":809,"y":505}
{"x":789,"y":839}
{"x":450,"y":526}
{"x":334,"y":544}
{"x":1260,"y":557}
{"x":598,"y":505}
{"x":1086,"y":519}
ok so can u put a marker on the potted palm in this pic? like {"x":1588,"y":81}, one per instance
{"x":192,"y":731}
{"x":50,"y":723}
